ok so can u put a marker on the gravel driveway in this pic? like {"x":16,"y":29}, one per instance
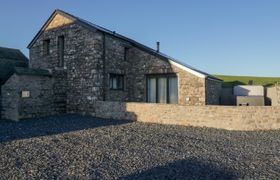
{"x":78,"y":147}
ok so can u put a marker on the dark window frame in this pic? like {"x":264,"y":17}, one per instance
{"x":157,"y":76}
{"x":125,"y":53}
{"x":120,"y":77}
{"x":60,"y":50}
{"x":46,"y":47}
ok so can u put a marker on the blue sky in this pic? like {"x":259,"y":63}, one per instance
{"x":233,"y":37}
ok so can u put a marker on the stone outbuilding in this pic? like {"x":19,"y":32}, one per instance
{"x":79,"y":63}
{"x":9,"y":59}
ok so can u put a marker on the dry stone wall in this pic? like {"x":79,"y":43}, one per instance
{"x":224,"y":117}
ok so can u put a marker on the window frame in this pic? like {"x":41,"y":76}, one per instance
{"x":46,"y":47}
{"x":115,"y":75}
{"x":60,"y":50}
{"x":125,"y":53}
{"x":167,"y":76}
{"x":25,"y":94}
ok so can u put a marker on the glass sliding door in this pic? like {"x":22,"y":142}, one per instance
{"x":151,"y":83}
{"x":173,"y":90}
{"x":162,"y":88}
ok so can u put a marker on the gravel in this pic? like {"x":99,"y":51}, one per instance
{"x":83,"y":147}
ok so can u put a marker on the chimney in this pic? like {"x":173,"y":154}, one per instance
{"x":158,"y":46}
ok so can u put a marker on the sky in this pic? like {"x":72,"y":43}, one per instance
{"x":230,"y":37}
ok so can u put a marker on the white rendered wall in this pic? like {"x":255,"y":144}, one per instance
{"x":248,"y":91}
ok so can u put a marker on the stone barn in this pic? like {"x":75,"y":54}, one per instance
{"x":74,"y":63}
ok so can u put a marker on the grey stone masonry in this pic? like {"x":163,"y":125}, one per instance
{"x":213,"y":92}
{"x":79,"y":82}
{"x":40,"y":100}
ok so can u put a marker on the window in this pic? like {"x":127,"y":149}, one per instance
{"x":60,"y":49}
{"x":162,"y":89}
{"x":46,"y":47}
{"x":151,"y":88}
{"x":116,"y":81}
{"x":125,"y":53}
{"x":173,"y":90}
{"x":25,"y":94}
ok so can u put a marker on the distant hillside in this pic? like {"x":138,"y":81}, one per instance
{"x":244,"y":80}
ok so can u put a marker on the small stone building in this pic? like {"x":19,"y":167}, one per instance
{"x":9,"y":59}
{"x":81,"y":63}
{"x":27,"y":93}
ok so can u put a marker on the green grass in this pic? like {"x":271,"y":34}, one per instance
{"x":243,"y":80}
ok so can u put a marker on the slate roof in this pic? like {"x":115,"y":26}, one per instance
{"x":9,"y":59}
{"x":95,"y":27}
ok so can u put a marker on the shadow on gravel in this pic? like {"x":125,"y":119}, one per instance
{"x":28,"y":128}
{"x":185,"y":169}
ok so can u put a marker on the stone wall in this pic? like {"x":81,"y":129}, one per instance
{"x":116,"y":63}
{"x":80,"y":81}
{"x":137,"y":65}
{"x":271,"y":96}
{"x":278,"y":93}
{"x":213,"y":92}
{"x":40,"y":103}
{"x":224,"y":117}
{"x":10,"y":99}
{"x":141,"y":63}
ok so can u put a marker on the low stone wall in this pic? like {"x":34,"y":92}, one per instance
{"x":224,"y":117}
{"x":278,"y":93}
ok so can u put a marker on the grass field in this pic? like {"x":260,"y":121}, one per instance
{"x":243,"y":80}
